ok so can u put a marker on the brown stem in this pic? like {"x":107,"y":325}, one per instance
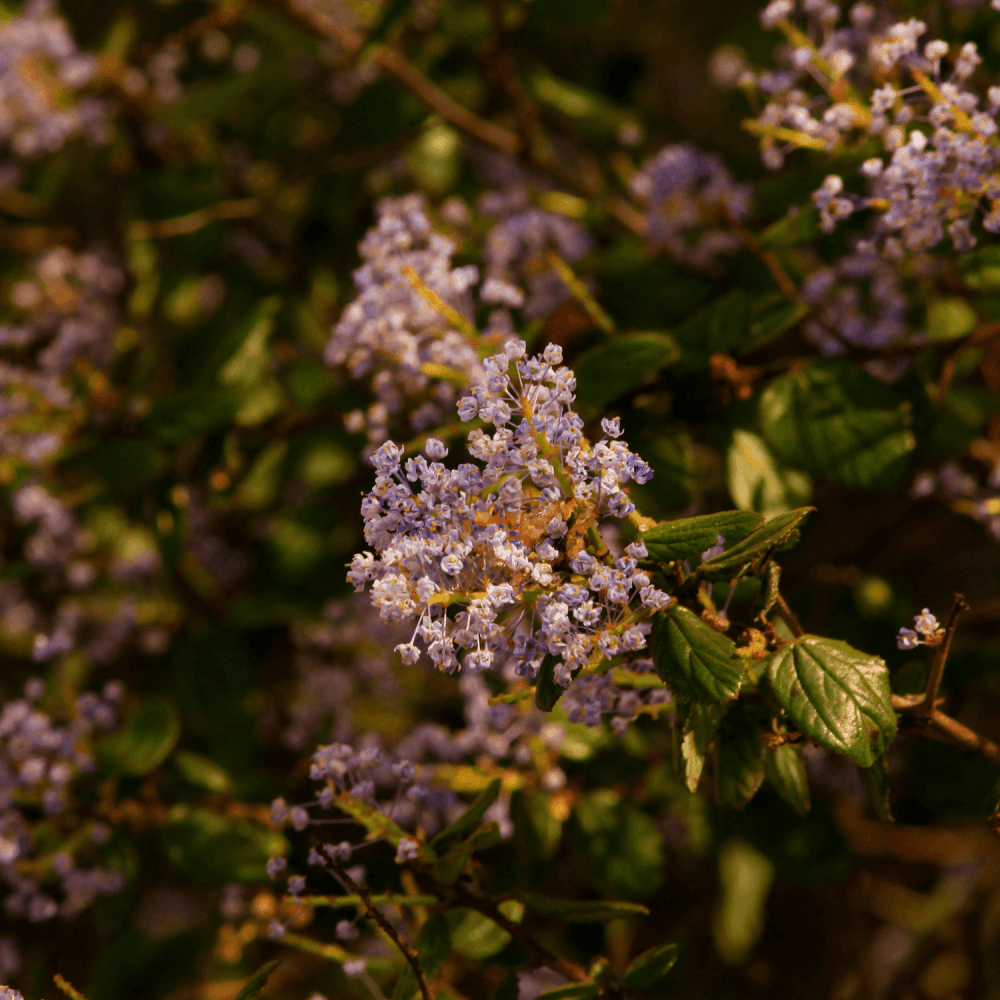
{"x":769,"y":259}
{"x":789,"y":617}
{"x":538,"y":151}
{"x":937,"y":725}
{"x":394,"y":62}
{"x":376,"y":914}
{"x":940,"y":658}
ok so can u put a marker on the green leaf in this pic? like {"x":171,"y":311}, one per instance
{"x":535,"y":823}
{"x":145,"y":742}
{"x":832,"y":419}
{"x":452,"y":863}
{"x":622,"y":364}
{"x":786,"y":772}
{"x":757,"y":483}
{"x":433,"y":944}
{"x":208,"y":848}
{"x":574,"y":991}
{"x":694,"y":660}
{"x":772,"y":315}
{"x":981,"y":269}
{"x":469,"y":820}
{"x":739,"y":764}
{"x":876,"y":782}
{"x":690,"y":536}
{"x":184,"y":416}
{"x":650,"y":967}
{"x":728,"y":326}
{"x":791,"y":229}
{"x":621,"y":843}
{"x":836,"y":695}
{"x":579,"y":911}
{"x":476,"y":936}
{"x":547,"y":691}
{"x":949,"y":319}
{"x":756,"y":548}
{"x":377,"y":824}
{"x":203,"y":772}
{"x":433,"y":947}
{"x":257,"y":981}
{"x":695,"y":727}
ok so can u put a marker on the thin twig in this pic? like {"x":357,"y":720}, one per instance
{"x":789,"y":617}
{"x":183,"y":225}
{"x":394,"y":62}
{"x":537,"y":151}
{"x":940,"y":726}
{"x":940,"y":658}
{"x":376,"y":914}
{"x":767,"y":257}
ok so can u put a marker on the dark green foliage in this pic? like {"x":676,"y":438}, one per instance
{"x":694,"y":659}
{"x":831,"y":419}
{"x":836,"y":695}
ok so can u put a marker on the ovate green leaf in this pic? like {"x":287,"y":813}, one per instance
{"x":694,"y":660}
{"x":832,"y":419}
{"x":622,"y":364}
{"x":786,"y":772}
{"x":257,"y":982}
{"x":739,"y":765}
{"x":690,"y":536}
{"x":146,"y":740}
{"x":208,"y":848}
{"x":469,"y":820}
{"x":757,"y":547}
{"x":837,"y":695}
{"x":650,"y":967}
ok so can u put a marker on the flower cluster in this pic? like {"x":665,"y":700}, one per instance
{"x":507,"y":539}
{"x":67,"y":311}
{"x":974,"y":495}
{"x":914,"y":96}
{"x":41,"y":71}
{"x":39,"y":761}
{"x":690,"y":198}
{"x":857,"y":301}
{"x":593,"y":696}
{"x":392,"y":334}
{"x":811,"y":99}
{"x":516,"y":246}
{"x":926,"y":632}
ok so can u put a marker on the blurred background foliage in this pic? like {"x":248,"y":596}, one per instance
{"x":239,"y":175}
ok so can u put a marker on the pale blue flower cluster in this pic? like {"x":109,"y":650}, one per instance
{"x":515,"y":253}
{"x":926,"y":631}
{"x":690,"y":198}
{"x":861,"y":297}
{"x":39,"y":761}
{"x":508,"y":538}
{"x":393,"y":336}
{"x":943,"y":162}
{"x":40,"y":65}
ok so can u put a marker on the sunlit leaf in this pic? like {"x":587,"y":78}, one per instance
{"x":837,"y":695}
